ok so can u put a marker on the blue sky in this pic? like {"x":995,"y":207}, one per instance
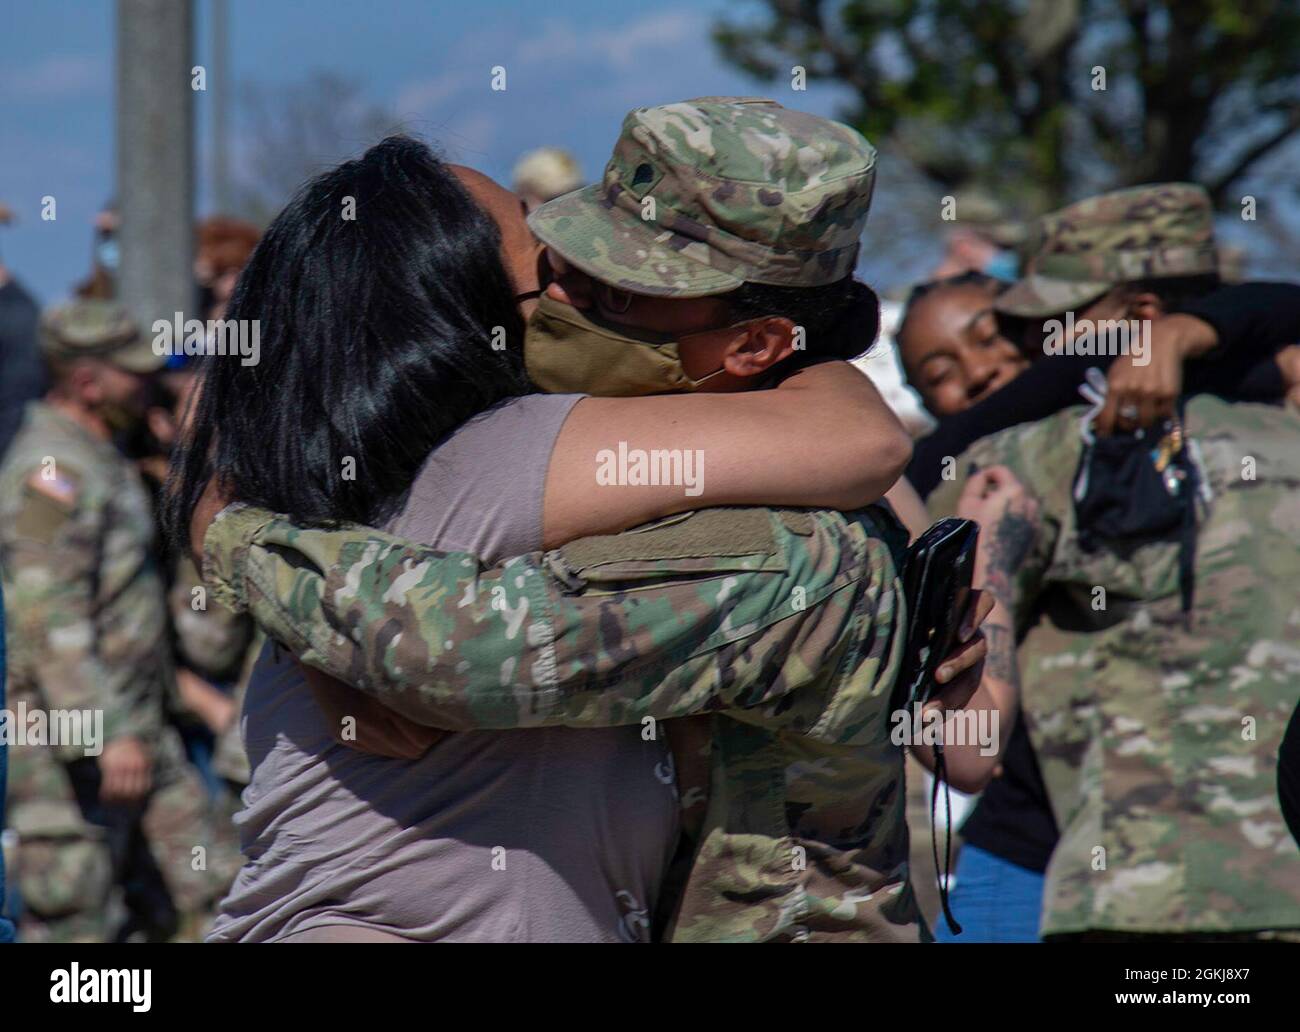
{"x":574,"y":69}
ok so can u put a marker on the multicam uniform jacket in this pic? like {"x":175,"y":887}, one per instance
{"x":87,"y":638}
{"x":1158,"y":741}
{"x":788,"y":626}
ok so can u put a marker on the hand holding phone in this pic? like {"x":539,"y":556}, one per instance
{"x":937,"y":584}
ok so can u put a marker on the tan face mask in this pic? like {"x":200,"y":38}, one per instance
{"x":568,"y":351}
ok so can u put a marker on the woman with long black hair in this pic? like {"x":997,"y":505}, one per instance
{"x":391,"y":389}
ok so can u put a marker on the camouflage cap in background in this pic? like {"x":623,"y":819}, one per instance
{"x":703,"y":196}
{"x":97,"y":329}
{"x":1077,"y":254}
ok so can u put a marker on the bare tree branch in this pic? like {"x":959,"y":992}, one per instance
{"x":1219,"y":185}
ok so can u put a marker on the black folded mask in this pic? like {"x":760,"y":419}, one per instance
{"x":1139,"y":487}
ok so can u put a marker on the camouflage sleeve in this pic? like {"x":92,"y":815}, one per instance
{"x":68,"y":638}
{"x":791,"y":617}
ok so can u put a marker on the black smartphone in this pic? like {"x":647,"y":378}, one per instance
{"x":937,"y":584}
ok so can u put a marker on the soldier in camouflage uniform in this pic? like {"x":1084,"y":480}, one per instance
{"x":1078,"y":255}
{"x":789,"y":622}
{"x":87,"y":631}
{"x":743,"y":191}
{"x":1156,"y":731}
{"x":786,"y":625}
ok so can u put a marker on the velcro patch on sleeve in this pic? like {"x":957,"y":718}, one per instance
{"x":705,"y":534}
{"x":48,"y":502}
{"x":60,"y":485}
{"x":797,"y":521}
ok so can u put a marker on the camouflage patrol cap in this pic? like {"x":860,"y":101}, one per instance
{"x":705,"y":195}
{"x":97,"y":329}
{"x":1075,"y":255}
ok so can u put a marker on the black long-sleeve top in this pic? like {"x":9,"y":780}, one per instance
{"x":22,"y":375}
{"x":1252,"y":320}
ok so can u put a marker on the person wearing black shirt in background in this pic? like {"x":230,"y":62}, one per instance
{"x":22,"y":376}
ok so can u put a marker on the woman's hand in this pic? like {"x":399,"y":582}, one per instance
{"x":207,"y":702}
{"x":1142,"y":390}
{"x":1008,"y":517}
{"x":961,"y":670}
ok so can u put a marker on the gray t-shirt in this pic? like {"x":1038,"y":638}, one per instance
{"x":553,"y":834}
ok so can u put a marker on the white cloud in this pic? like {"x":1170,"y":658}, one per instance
{"x":617,"y":47}
{"x":56,"y":77}
{"x":636,"y":50}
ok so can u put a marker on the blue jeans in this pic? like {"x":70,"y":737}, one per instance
{"x":993,"y":899}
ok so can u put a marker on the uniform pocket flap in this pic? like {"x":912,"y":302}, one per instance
{"x":706,"y":541}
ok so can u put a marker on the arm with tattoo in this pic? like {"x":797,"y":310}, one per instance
{"x":975,"y":735}
{"x":1005,"y":545}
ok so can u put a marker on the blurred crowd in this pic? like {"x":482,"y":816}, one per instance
{"x":128,"y":837}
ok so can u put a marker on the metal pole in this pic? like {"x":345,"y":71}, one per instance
{"x":155,"y":160}
{"x":218,"y":87}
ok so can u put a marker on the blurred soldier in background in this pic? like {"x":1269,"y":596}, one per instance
{"x":546,"y":173}
{"x":88,"y":632}
{"x":985,"y":239}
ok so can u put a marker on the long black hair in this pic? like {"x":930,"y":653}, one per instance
{"x":386,"y":320}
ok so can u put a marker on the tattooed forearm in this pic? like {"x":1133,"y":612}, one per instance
{"x":1013,"y":535}
{"x":1001,"y":659}
{"x":1009,"y":542}
{"x":1004,"y":548}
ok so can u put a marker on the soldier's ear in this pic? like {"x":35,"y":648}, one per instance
{"x":763,"y":343}
{"x":81,"y":381}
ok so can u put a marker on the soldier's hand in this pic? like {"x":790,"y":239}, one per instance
{"x":361,"y":723}
{"x":125,"y":768}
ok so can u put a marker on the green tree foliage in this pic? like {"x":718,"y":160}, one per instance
{"x":1001,"y":94}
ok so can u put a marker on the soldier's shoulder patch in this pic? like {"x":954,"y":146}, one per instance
{"x":57,"y":482}
{"x":50,"y":496}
